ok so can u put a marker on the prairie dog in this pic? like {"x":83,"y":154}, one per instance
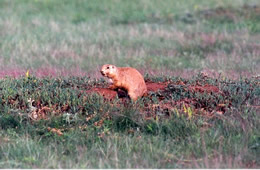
{"x":126,"y":78}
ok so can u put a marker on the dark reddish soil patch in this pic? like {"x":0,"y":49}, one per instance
{"x":105,"y":92}
{"x":110,"y":94}
{"x":206,"y":88}
{"x":152,"y":87}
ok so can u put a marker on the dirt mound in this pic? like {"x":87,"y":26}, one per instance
{"x":105,"y":92}
{"x":206,"y":88}
{"x":110,"y":94}
{"x":152,"y":87}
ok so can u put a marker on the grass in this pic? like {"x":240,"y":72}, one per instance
{"x":165,"y":35}
{"x":48,"y":120}
{"x":77,"y":130}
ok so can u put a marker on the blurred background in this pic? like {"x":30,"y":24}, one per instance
{"x":170,"y":37}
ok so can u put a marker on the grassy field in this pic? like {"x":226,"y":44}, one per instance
{"x":207,"y":53}
{"x":156,"y":37}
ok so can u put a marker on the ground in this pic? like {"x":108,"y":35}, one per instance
{"x":200,"y":61}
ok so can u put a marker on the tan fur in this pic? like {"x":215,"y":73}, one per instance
{"x":126,"y":78}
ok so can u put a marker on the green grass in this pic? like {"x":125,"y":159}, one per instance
{"x":177,"y":35}
{"x":167,"y":38}
{"x":170,"y":138}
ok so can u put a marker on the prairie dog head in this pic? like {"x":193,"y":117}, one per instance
{"x":109,"y":70}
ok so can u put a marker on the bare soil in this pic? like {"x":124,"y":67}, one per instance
{"x":152,"y":87}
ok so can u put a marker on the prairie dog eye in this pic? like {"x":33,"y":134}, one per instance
{"x":107,"y":67}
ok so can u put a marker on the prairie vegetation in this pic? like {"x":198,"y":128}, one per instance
{"x":200,"y":60}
